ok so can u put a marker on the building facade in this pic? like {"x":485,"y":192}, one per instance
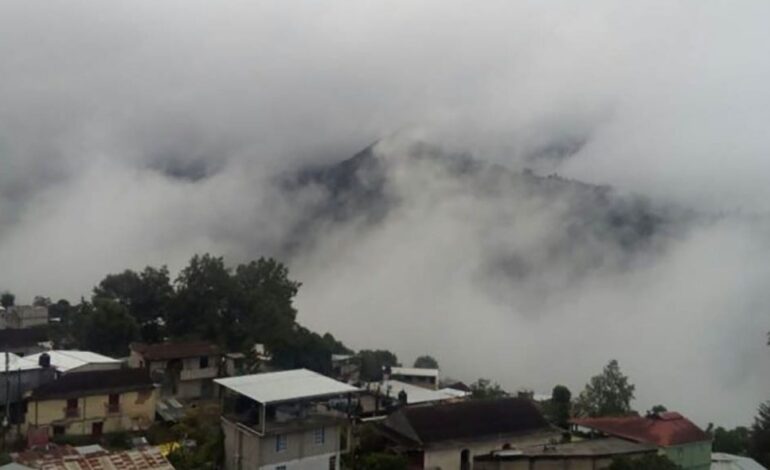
{"x":93,"y":403}
{"x":23,"y":316}
{"x":185,"y":370}
{"x":449,"y":436}
{"x":677,"y":437}
{"x":591,"y":454}
{"x":284,"y":421}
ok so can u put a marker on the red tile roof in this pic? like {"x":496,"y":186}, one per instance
{"x":175,"y":350}
{"x":664,"y":429}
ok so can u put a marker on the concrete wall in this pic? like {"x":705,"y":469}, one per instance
{"x":21,"y":382}
{"x":695,"y":456}
{"x":185,"y":389}
{"x":541,"y":464}
{"x":448,"y":457}
{"x":245,"y":450}
{"x":137,"y":412}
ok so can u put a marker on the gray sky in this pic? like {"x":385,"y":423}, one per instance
{"x":102,"y":102}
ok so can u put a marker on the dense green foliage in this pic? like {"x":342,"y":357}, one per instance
{"x":485,"y":388}
{"x":426,"y":362}
{"x":235,"y":308}
{"x":759,"y":441}
{"x":202,"y":428}
{"x":105,"y":326}
{"x":7,"y":299}
{"x":731,"y":441}
{"x":647,"y":462}
{"x":373,"y":361}
{"x":561,"y":406}
{"x":607,"y":394}
{"x":383,"y":461}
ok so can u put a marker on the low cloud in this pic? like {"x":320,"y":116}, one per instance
{"x":142,"y":135}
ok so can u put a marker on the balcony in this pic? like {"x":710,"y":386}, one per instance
{"x":71,"y":412}
{"x":197,"y":374}
{"x":112,"y":408}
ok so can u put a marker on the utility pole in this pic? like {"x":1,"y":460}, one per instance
{"x":7,"y":377}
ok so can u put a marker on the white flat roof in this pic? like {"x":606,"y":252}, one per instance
{"x":286,"y":385}
{"x":414,"y":371}
{"x":414,"y":394}
{"x":16,"y":363}
{"x":65,"y":360}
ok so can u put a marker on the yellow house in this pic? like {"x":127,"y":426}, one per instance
{"x":93,"y":403}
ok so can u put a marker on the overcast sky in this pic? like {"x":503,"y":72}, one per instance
{"x":104,"y":104}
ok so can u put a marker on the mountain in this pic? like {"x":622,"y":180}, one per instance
{"x":589,"y":226}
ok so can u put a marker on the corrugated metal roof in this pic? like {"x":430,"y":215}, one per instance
{"x":721,"y":461}
{"x":66,"y":360}
{"x":673,"y":429}
{"x":414,"y":371}
{"x":286,"y":385}
{"x":414,"y":394}
{"x":16,"y":363}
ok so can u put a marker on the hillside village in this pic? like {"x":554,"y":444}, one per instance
{"x":212,"y":371}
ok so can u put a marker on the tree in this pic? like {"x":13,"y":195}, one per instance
{"x":485,"y":388}
{"x":561,"y":406}
{"x":646,"y":462}
{"x":426,"y":362}
{"x":201,"y":307}
{"x":373,"y":361}
{"x":759,"y":441}
{"x":146,"y":295}
{"x":41,"y":301}
{"x":383,"y":461}
{"x":656,"y":410}
{"x":105,"y":327}
{"x":7,"y":299}
{"x":733,"y":441}
{"x":263,"y":302}
{"x":607,"y":394}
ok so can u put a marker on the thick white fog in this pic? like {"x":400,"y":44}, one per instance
{"x":141,"y":133}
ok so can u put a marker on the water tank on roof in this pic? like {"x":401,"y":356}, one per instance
{"x":44,"y":360}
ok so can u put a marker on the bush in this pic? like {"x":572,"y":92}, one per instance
{"x":382,"y":461}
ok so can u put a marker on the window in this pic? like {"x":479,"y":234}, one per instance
{"x":204,"y":362}
{"x":319,"y":436}
{"x":280,"y":443}
{"x":280,"y":467}
{"x":333,"y":462}
{"x":72,"y":408}
{"x":113,"y":406}
{"x":97,"y":429}
{"x":58,"y":430}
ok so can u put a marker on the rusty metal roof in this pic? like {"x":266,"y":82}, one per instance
{"x":665,"y":429}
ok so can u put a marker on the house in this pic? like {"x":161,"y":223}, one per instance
{"x":676,"y":436}
{"x":67,"y":362}
{"x":53,"y":457}
{"x":426,"y":378}
{"x":185,"y":370}
{"x":590,"y":454}
{"x":285,"y":420}
{"x":413,"y":394}
{"x":722,"y":461}
{"x":24,"y":316}
{"x":25,"y":341}
{"x":95,"y":402}
{"x":346,"y":368}
{"x":19,"y":375}
{"x":448,"y":436}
